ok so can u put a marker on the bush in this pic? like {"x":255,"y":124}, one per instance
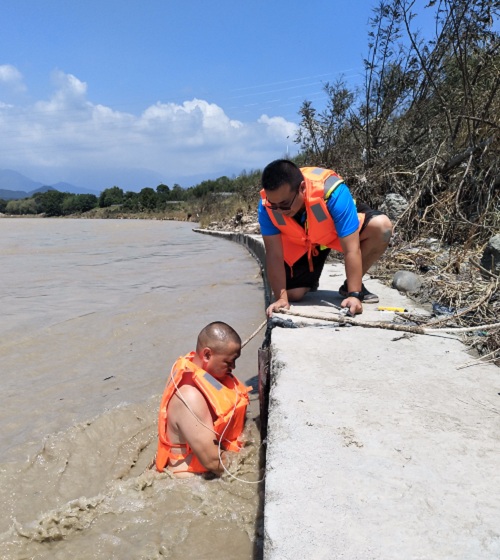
{"x":21,"y":207}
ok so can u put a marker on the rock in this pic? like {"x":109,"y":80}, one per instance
{"x":394,"y":205}
{"x":406,"y":281}
{"x":491,"y":256}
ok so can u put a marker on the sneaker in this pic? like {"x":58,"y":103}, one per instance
{"x":368,"y":297}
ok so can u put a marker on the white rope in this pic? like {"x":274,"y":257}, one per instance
{"x":220,"y":451}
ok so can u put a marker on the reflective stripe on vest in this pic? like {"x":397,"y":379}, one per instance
{"x":318,"y":212}
{"x":278,"y":216}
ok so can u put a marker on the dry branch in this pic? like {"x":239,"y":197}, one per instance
{"x":342,"y":319}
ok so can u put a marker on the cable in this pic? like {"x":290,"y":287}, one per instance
{"x":220,"y":452}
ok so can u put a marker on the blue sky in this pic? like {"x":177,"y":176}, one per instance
{"x":129,"y":93}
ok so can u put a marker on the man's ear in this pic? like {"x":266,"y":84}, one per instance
{"x":206,"y":354}
{"x":302,"y":187}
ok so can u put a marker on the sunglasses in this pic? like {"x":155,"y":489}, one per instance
{"x":284,"y":207}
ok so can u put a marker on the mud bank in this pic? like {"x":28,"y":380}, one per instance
{"x":380,"y":444}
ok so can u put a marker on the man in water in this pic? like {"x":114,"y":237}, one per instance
{"x":303,"y":214}
{"x":202,"y":412}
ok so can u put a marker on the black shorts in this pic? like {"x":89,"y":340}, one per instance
{"x":299,"y":276}
{"x":369,"y":213}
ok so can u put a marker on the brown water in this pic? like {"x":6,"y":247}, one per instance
{"x":93,"y":314}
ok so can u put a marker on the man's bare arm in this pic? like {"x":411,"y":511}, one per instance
{"x":195,"y":426}
{"x":276,"y":272}
{"x":353,"y":269}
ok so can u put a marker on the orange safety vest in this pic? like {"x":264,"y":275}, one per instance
{"x":319,"y":227}
{"x":228,"y":399}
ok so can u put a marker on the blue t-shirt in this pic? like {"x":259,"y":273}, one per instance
{"x":340,"y":205}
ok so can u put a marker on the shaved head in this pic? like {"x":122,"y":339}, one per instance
{"x":217,"y":336}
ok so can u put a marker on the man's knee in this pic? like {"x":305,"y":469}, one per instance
{"x":386,"y":229}
{"x":379,"y":229}
{"x":296,"y":294}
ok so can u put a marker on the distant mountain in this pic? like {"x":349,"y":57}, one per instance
{"x":41,"y":189}
{"x":14,"y":186}
{"x":14,"y":181}
{"x":7,"y":194}
{"x":67,"y":187}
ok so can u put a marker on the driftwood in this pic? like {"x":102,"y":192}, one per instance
{"x":342,"y":319}
{"x":487,"y":272}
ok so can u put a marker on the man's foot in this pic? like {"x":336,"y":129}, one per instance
{"x":368,"y":297}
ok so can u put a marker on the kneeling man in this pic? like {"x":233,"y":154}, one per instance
{"x":202,"y":412}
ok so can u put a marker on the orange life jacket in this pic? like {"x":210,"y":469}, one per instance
{"x":319,"y":226}
{"x":228,"y":399}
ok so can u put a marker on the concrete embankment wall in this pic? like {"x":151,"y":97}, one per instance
{"x":381,"y":444}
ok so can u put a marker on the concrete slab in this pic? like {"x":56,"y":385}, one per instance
{"x":378,"y":446}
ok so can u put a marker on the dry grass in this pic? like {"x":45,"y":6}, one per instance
{"x":452,"y":279}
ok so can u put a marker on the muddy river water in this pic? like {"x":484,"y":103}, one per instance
{"x":93,"y":314}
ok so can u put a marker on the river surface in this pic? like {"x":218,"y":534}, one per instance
{"x":93,"y":314}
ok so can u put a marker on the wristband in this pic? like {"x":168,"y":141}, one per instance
{"x":357,"y":295}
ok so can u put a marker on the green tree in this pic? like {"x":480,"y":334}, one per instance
{"x":163,"y":190}
{"x":50,"y":202}
{"x":163,"y":196}
{"x":69,"y":205}
{"x":131,"y":201}
{"x":21,"y":207}
{"x":178,"y":193}
{"x":147,"y":199}
{"x":111,"y":196}
{"x":78,"y":203}
{"x":87,"y":202}
{"x":27,"y":206}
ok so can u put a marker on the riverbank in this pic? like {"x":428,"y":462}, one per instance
{"x":381,"y":444}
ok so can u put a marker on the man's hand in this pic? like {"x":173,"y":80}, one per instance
{"x":278,"y":304}
{"x":353,"y":304}
{"x":229,"y":460}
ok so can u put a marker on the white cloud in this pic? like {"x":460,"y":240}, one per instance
{"x":67,"y":134}
{"x":11,"y":77}
{"x":278,"y":126}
